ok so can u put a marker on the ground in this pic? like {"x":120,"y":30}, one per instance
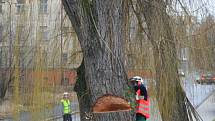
{"x":55,"y":110}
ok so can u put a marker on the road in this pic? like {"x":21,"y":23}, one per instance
{"x":207,"y":108}
{"x":196,"y":93}
{"x":201,"y":96}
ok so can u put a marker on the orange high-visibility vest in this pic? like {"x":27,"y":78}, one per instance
{"x":142,"y":105}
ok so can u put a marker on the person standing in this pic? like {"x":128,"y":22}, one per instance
{"x":66,"y":107}
{"x":142,"y":100}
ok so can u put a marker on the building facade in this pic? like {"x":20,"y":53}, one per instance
{"x":37,"y":35}
{"x":36,"y":25}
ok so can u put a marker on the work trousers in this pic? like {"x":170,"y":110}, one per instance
{"x":140,"y":117}
{"x":67,"y":117}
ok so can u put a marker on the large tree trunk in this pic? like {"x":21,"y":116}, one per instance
{"x":100,"y":26}
{"x":82,"y":91}
{"x":170,"y":95}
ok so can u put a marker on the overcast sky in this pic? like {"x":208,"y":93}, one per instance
{"x":199,"y":8}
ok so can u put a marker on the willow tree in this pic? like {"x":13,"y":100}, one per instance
{"x":100,"y":26}
{"x":203,"y":50}
{"x":172,"y":102}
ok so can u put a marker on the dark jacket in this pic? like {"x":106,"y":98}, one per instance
{"x":142,"y":90}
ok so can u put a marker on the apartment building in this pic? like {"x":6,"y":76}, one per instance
{"x":37,"y":33}
{"x":33,"y":25}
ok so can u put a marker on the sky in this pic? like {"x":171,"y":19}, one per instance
{"x":198,"y":8}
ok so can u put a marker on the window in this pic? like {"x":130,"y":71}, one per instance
{"x":3,"y":57}
{"x":22,"y":59}
{"x":44,"y":33}
{"x":65,"y":31}
{"x":184,"y":54}
{"x":21,"y":33}
{"x":20,"y":6}
{"x":64,"y":58}
{"x":0,"y":6}
{"x":1,"y":33}
{"x":45,"y":56}
{"x":43,"y":7}
{"x":65,"y":81}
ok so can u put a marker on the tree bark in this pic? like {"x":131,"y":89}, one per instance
{"x":82,"y":91}
{"x":100,"y":25}
{"x":170,"y":95}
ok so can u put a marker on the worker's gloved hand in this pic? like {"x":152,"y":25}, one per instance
{"x":132,"y":104}
{"x":129,"y":102}
{"x":139,"y":97}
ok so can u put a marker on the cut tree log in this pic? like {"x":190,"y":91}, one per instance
{"x":111,"y":103}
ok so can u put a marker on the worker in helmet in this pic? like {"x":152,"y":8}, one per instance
{"x":66,"y":107}
{"x":142,"y":100}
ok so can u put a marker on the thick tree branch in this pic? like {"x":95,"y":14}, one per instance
{"x":73,"y":11}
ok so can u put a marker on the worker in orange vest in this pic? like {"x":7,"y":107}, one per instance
{"x":142,"y":100}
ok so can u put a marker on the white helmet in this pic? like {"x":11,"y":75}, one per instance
{"x":137,"y":78}
{"x":65,"y":94}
